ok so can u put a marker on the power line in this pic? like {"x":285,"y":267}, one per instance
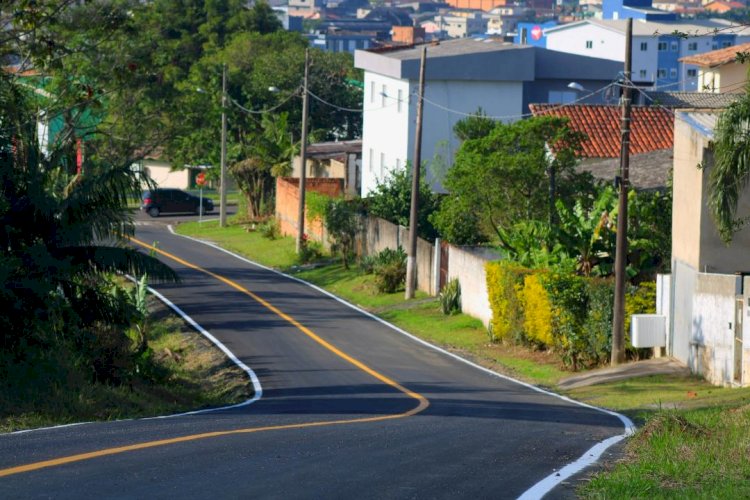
{"x":268,"y":110}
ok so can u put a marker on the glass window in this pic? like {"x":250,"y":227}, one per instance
{"x":662,"y":46}
{"x":383,"y":95}
{"x":644,"y":46}
{"x":400,"y":99}
{"x":589,"y":44}
{"x":693,"y":46}
{"x":672,"y":72}
{"x":692,"y":73}
{"x":371,"y":160}
{"x":661,"y":73}
{"x":674,"y":46}
{"x":642,"y":73}
{"x":724,"y":45}
{"x":372,"y":91}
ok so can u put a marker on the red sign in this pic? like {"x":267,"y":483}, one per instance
{"x":536,"y":32}
{"x":200,"y":179}
{"x":79,"y":156}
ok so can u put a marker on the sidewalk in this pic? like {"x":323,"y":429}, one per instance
{"x":656,"y":366}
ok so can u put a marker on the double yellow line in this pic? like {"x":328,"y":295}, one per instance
{"x":423,"y":403}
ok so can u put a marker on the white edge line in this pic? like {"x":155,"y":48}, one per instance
{"x":542,"y":487}
{"x":250,"y":373}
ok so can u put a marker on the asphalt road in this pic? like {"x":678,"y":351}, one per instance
{"x":349,"y":408}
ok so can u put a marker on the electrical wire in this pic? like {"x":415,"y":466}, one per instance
{"x":340,"y":108}
{"x":268,"y":110}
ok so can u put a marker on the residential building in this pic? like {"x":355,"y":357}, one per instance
{"x":719,"y":71}
{"x":707,"y":296}
{"x":408,"y":35}
{"x":533,"y":33}
{"x":722,"y":7}
{"x":461,"y":24}
{"x":333,"y":160}
{"x":462,"y":76}
{"x":657,"y":46}
{"x":651,"y":141}
{"x":485,"y":5}
{"x":636,"y":9}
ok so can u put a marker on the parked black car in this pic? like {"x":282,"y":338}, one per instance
{"x":157,"y":201}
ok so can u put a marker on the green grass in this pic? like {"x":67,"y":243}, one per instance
{"x":279,"y":253}
{"x":699,"y":453}
{"x":233,"y":197}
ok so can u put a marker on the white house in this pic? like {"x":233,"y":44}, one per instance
{"x":657,"y":46}
{"x":719,"y":72}
{"x":461,"y":77}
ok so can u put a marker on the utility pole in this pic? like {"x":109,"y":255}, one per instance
{"x":223,"y":179}
{"x":411,"y":256}
{"x":303,"y":160}
{"x":621,"y":250}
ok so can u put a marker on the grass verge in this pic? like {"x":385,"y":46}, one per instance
{"x":192,"y":374}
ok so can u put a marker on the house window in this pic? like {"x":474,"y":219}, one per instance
{"x":661,"y":73}
{"x":662,"y":46}
{"x":589,"y":44}
{"x":692,"y":73}
{"x":672,"y":72}
{"x":644,"y":46}
{"x":398,"y":163}
{"x":724,"y":45}
{"x":383,"y":95}
{"x":674,"y":46}
{"x":400,"y":100}
{"x":642,"y":73}
{"x":382,"y":164}
{"x":370,"y":160}
{"x":714,"y":46}
{"x":693,"y":46}
{"x":372,"y":91}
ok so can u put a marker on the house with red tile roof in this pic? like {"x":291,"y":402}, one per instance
{"x":719,"y":71}
{"x":651,"y":140}
{"x":722,"y":7}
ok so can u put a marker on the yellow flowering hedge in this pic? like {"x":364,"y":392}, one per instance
{"x":504,"y":281}
{"x":537,"y":310}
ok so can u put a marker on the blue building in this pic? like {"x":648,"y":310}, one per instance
{"x":636,"y":9}
{"x":532,"y":33}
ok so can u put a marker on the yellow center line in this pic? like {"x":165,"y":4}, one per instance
{"x":423,"y":402}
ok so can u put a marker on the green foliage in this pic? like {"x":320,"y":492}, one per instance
{"x":729,"y":174}
{"x":597,"y":327}
{"x":390,"y":270}
{"x":450,"y":298}
{"x":457,"y":223}
{"x":343,"y":222}
{"x":537,"y":310}
{"x":504,"y":282}
{"x":270,"y":229}
{"x":310,"y":251}
{"x":391,"y":200}
{"x":316,"y":205}
{"x":474,"y":127}
{"x":504,"y":176}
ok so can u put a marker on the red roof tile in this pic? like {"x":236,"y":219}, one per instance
{"x":651,"y":129}
{"x":717,"y":57}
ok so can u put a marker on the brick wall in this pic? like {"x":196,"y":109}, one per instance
{"x":287,"y":204}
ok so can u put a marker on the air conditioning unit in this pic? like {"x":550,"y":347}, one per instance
{"x":648,"y":330}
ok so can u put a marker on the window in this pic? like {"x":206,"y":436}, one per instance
{"x":675,"y":46}
{"x":644,"y":46}
{"x":400,"y":100}
{"x":642,"y":73}
{"x":661,"y":73}
{"x":662,"y":46}
{"x":714,"y":46}
{"x":589,"y":44}
{"x":383,"y":95}
{"x":672,"y":72}
{"x":561,"y":97}
{"x":724,"y":45}
{"x":371,"y":160}
{"x":382,"y":164}
{"x":398,"y":163}
{"x":692,"y":73}
{"x":693,"y":46}
{"x":372,"y":91}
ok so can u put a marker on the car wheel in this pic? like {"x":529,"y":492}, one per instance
{"x":199,"y":211}
{"x":153,"y":211}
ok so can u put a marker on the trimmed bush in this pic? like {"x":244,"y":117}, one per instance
{"x":597,"y":327}
{"x":537,"y":310}
{"x":504,"y":282}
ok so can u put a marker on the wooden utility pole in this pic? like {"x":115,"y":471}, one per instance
{"x":411,"y":256}
{"x":223,"y":171}
{"x":621,"y":250}
{"x":303,"y":160}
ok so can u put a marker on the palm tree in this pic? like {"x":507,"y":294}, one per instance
{"x":731,"y":167}
{"x":62,"y":233}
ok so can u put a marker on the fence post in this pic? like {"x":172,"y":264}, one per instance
{"x":436,"y":268}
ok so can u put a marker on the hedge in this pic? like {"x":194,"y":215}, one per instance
{"x":565,"y":312}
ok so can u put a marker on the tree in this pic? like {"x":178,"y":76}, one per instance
{"x":510,"y":175}
{"x":391,"y":200}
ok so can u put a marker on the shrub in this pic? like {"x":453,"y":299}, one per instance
{"x":390,"y":270}
{"x":450,"y":298}
{"x":310,"y":251}
{"x":597,"y":327}
{"x":270,"y":229}
{"x":537,"y":310}
{"x":567,"y":293}
{"x":504,"y":282}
